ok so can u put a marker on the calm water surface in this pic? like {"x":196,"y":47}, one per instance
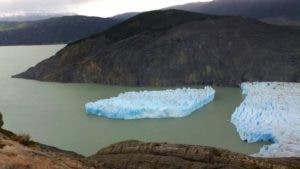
{"x":53,"y":113}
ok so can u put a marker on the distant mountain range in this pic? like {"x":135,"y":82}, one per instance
{"x":273,"y":11}
{"x":31,"y":16}
{"x":173,"y":47}
{"x":282,"y":12}
{"x":54,"y":30}
{"x":125,"y":16}
{"x":70,"y":28}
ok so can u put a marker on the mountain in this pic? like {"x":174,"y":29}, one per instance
{"x":15,"y":31}
{"x":272,"y":11}
{"x":281,"y":12}
{"x":54,"y":30}
{"x":125,"y":16}
{"x":173,"y":47}
{"x":4,"y":25}
{"x":33,"y":16}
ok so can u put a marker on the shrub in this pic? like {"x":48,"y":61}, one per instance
{"x":23,"y":139}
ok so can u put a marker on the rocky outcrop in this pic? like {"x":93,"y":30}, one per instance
{"x":19,"y":152}
{"x":15,"y":154}
{"x":165,"y":48}
{"x":136,"y":154}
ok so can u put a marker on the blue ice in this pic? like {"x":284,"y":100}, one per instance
{"x":152,"y":104}
{"x":270,"y":112}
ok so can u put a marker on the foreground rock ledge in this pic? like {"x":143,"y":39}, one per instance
{"x":131,"y":155}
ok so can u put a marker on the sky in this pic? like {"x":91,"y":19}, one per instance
{"x":102,"y":8}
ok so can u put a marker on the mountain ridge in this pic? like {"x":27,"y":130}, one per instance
{"x":281,"y":12}
{"x":31,"y":16}
{"x":53,"y":30}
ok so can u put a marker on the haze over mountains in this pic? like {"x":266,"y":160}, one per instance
{"x":51,"y":31}
{"x":68,"y":29}
{"x":273,"y":11}
{"x":282,"y":12}
{"x":31,"y":16}
{"x":173,"y":47}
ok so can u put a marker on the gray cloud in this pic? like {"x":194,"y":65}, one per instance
{"x":39,"y":5}
{"x":104,"y":8}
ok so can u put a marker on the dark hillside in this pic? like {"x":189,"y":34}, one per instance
{"x":54,"y":30}
{"x":178,"y":48}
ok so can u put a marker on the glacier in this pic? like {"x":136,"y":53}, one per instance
{"x":270,"y":112}
{"x":152,"y":104}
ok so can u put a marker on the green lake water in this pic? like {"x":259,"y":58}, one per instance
{"x":54,"y":114}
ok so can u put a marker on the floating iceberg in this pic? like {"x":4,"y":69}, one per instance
{"x":152,"y":104}
{"x":270,"y":112}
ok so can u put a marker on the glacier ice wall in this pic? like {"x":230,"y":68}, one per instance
{"x":152,"y":104}
{"x":270,"y":112}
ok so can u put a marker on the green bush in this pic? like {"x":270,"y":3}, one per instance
{"x":1,"y":120}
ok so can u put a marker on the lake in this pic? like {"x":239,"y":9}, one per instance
{"x":54,"y":114}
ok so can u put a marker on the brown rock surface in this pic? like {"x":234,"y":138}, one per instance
{"x":130,"y":155}
{"x":136,"y":154}
{"x":14,"y":155}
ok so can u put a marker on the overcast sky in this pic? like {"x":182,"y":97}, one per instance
{"x":103,"y":8}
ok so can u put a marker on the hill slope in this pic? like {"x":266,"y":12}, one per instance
{"x":178,"y":48}
{"x":4,"y":25}
{"x":54,"y":30}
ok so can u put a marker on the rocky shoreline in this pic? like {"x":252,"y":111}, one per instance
{"x":18,"y":152}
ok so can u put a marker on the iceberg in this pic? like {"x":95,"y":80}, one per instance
{"x":152,"y":104}
{"x":270,"y":112}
